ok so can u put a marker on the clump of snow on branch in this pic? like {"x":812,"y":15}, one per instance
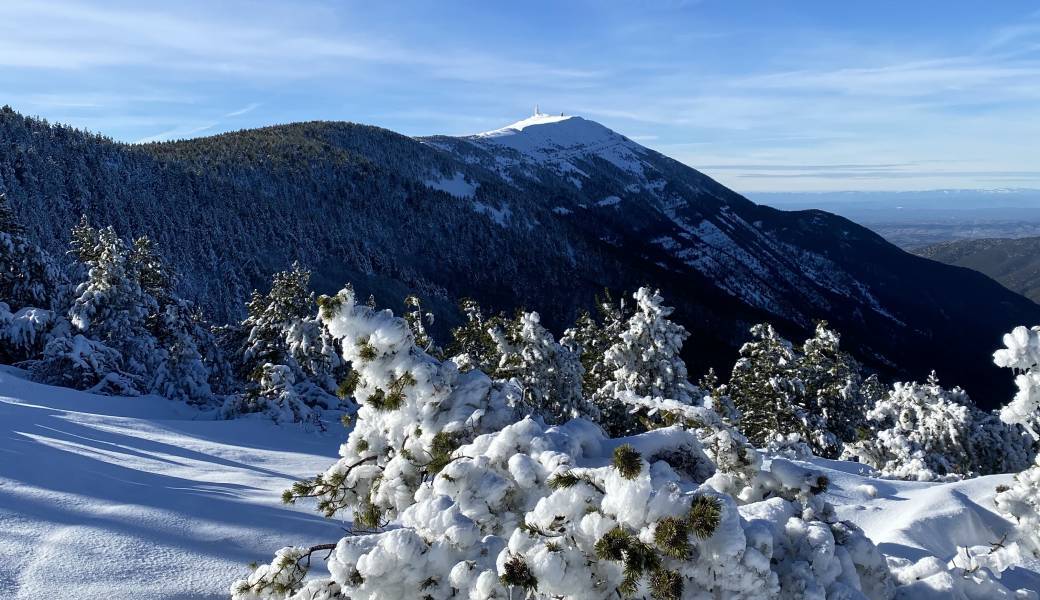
{"x":1022,"y":353}
{"x":1020,"y":501}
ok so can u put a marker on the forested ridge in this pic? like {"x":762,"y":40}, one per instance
{"x":366,"y":205}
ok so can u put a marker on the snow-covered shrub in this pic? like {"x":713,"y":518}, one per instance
{"x":644,"y":360}
{"x":486,"y":502}
{"x":789,"y":446}
{"x":24,"y":334}
{"x":960,"y":579}
{"x":281,"y":397}
{"x":82,"y":363}
{"x":924,"y":432}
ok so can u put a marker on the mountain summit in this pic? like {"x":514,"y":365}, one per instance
{"x":544,"y":213}
{"x":559,"y":141}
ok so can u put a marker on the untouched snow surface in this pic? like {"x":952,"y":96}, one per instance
{"x":106,"y":497}
{"x":111,"y":498}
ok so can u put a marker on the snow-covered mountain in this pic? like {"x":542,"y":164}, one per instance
{"x":696,"y":222}
{"x":544,"y":213}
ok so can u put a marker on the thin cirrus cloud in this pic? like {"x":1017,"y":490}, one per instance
{"x":774,"y":102}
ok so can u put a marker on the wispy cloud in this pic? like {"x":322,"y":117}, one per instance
{"x":178,"y":133}
{"x":244,"y":110}
{"x":775,"y":102}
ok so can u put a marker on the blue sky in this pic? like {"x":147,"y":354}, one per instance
{"x":764,"y":96}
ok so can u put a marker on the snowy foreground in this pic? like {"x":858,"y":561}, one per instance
{"x":107,"y":497}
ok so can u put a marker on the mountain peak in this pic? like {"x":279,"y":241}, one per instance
{"x":562,"y":139}
{"x":537,"y":118}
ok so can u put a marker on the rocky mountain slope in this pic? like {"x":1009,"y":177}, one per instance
{"x":1013,"y":262}
{"x":545,"y":213}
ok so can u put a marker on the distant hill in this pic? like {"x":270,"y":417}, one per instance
{"x":920,"y":218}
{"x":1013,"y":262}
{"x":544,"y":213}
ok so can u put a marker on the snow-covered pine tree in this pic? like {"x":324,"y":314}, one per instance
{"x":644,"y":361}
{"x":183,"y":372}
{"x":814,"y":394}
{"x":924,"y":432}
{"x":286,"y":357}
{"x":548,"y":373}
{"x":590,"y":338}
{"x":472,"y":345}
{"x":488,"y":504}
{"x":765,"y":388}
{"x":129,"y":332}
{"x":31,"y":288}
{"x":832,"y":382}
{"x":113,"y":309}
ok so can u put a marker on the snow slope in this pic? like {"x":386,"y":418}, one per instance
{"x":911,"y":520}
{"x":104,"y":497}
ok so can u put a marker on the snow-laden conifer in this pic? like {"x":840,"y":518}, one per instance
{"x":644,"y":360}
{"x":285,"y":354}
{"x":1020,"y":501}
{"x":127,"y":332}
{"x":925,"y":432}
{"x":548,"y":373}
{"x":815,"y":392}
{"x":454,"y":493}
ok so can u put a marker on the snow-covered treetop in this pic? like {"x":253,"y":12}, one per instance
{"x":1023,"y":355}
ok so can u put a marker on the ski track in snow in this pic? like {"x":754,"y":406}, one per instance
{"x":107,"y":497}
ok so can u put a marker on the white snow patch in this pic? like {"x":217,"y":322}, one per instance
{"x":609,"y":201}
{"x":500,"y":216}
{"x":456,"y":186}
